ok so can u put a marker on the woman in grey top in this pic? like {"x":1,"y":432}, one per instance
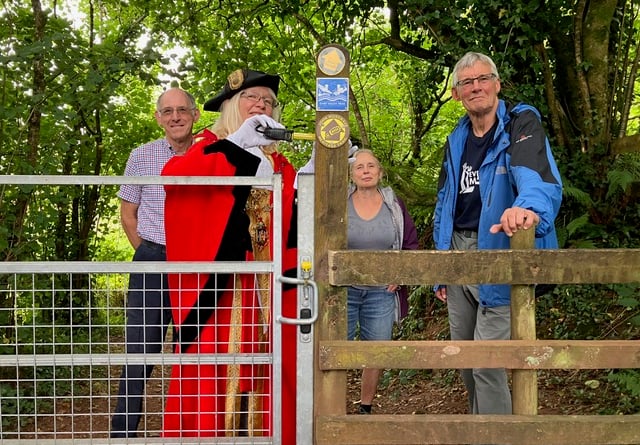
{"x":378,"y":220}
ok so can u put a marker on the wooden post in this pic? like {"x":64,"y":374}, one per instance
{"x":523,"y":327}
{"x":331,"y":174}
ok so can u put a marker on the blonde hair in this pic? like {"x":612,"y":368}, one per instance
{"x":230,"y":119}
{"x":361,"y":151}
{"x":355,"y":155}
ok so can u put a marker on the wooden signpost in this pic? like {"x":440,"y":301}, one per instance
{"x":331,"y":172}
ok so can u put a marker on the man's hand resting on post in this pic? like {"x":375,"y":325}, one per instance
{"x":515,"y":218}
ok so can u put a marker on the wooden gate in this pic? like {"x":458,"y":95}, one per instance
{"x":524,"y":355}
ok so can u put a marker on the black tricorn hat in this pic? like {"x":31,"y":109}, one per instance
{"x":240,"y":80}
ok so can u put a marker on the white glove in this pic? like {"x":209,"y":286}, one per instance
{"x":352,"y":150}
{"x":247,"y":136}
{"x":310,"y":166}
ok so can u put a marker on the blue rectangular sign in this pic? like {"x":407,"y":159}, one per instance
{"x":332,"y":94}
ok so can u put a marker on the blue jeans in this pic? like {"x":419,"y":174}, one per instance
{"x":373,"y":310}
{"x":148,"y":317}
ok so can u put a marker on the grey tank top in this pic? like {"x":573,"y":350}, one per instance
{"x":377,"y":233}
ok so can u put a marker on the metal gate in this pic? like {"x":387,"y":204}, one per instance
{"x":62,"y":334}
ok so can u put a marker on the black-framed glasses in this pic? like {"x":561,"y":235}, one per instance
{"x":482,"y":79}
{"x":253,"y":97}
{"x":182,"y":111}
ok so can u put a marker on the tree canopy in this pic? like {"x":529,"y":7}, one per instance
{"x":80,"y":79}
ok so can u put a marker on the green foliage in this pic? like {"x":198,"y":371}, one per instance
{"x":39,"y":388}
{"x":397,"y":381}
{"x":594,"y":312}
{"x":628,"y":382}
{"x":109,"y":290}
{"x":101,"y":76}
{"x":11,"y":403}
{"x":79,"y":112}
{"x":619,"y":182}
{"x":589,"y":312}
{"x":427,"y":318}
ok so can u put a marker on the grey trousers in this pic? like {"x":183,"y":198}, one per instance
{"x":488,"y":388}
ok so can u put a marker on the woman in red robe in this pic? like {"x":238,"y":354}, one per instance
{"x":230,"y":313}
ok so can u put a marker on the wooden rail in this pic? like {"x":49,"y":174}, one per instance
{"x":468,"y":429}
{"x":511,"y":354}
{"x":520,"y":267}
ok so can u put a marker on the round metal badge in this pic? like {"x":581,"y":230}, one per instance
{"x":235,"y":79}
{"x":332,"y":130}
{"x":331,"y":61}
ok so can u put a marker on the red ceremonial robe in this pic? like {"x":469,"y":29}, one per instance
{"x":227,"y":313}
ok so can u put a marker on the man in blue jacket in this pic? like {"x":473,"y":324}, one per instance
{"x":498,"y":176}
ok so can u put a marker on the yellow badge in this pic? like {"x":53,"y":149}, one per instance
{"x":331,"y":61}
{"x":332,"y":130}
{"x":236,"y":79}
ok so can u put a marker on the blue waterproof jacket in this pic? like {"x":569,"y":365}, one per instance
{"x":518,"y":171}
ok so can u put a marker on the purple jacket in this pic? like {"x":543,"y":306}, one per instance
{"x":409,"y":242}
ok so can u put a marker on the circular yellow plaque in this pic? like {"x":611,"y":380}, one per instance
{"x":332,"y":130}
{"x":331,"y":60}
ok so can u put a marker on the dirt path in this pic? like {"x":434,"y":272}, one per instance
{"x":420,"y":394}
{"x":404,"y":392}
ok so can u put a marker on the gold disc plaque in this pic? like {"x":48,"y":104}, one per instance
{"x":331,"y":61}
{"x":332,"y":130}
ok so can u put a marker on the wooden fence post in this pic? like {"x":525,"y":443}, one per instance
{"x":523,"y":327}
{"x":331,"y":174}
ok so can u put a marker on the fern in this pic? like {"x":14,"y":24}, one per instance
{"x":579,"y":195}
{"x":577,"y":223}
{"x":627,"y":379}
{"x":619,"y":181}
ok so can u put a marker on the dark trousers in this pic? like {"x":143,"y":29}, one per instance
{"x":148,"y":317}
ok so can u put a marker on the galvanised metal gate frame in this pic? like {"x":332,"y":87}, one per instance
{"x":307,"y":301}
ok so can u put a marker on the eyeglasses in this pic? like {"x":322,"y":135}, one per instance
{"x":182,"y":111}
{"x":268,"y":101}
{"x":482,"y":79}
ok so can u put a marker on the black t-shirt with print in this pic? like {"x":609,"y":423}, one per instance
{"x":468,"y":204}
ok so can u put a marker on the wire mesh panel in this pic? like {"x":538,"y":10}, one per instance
{"x":54,"y":327}
{"x":223,"y":397}
{"x":62,"y":356}
{"x":72,"y":361}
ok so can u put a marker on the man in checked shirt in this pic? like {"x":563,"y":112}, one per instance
{"x":142,"y":217}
